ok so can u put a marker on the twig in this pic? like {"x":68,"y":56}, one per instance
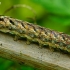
{"x":32,"y":54}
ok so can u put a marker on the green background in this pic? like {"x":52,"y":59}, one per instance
{"x":53,"y":14}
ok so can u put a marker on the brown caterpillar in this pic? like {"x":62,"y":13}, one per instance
{"x":35,"y":33}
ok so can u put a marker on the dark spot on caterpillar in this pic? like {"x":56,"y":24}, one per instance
{"x":22,"y":24}
{"x":11,"y":21}
{"x":41,"y":29}
{"x":46,"y":46}
{"x":55,"y":35}
{"x":63,"y":37}
{"x":1,"y":44}
{"x":47,"y":32}
{"x":30,"y":24}
{"x":1,"y":19}
{"x":34,"y":27}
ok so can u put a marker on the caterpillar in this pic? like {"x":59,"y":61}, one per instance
{"x":35,"y":33}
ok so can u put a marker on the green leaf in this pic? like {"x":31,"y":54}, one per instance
{"x":59,"y":8}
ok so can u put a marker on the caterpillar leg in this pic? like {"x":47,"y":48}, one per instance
{"x":28,"y":42}
{"x":16,"y":38}
{"x":51,"y":49}
{"x":40,"y":45}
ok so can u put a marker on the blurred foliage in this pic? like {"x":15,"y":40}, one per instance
{"x":59,"y":10}
{"x":53,"y":14}
{"x":10,"y":65}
